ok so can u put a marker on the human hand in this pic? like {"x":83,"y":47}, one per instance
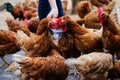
{"x":53,"y":13}
{"x":54,"y":9}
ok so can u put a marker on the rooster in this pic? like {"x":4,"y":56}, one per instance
{"x":15,"y":11}
{"x":93,"y":66}
{"x":83,"y":39}
{"x":51,"y":67}
{"x":8,"y":45}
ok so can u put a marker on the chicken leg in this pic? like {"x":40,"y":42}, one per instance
{"x":6,"y":63}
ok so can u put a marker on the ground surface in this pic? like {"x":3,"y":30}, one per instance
{"x":7,"y":75}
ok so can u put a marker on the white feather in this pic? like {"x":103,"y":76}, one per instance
{"x":22,"y":35}
{"x":19,"y":58}
{"x":14,"y":68}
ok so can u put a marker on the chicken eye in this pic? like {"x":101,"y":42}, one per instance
{"x":50,"y":24}
{"x":103,"y":15}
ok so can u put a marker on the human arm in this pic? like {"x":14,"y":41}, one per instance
{"x":54,"y":9}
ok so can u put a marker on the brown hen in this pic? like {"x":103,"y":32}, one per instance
{"x":83,"y":8}
{"x":33,"y":24}
{"x":8,"y":45}
{"x":100,"y":3}
{"x":84,"y":40}
{"x":91,"y":20}
{"x":115,"y":71}
{"x":93,"y":66}
{"x":15,"y":25}
{"x":67,"y":46}
{"x":41,"y":43}
{"x":111,"y":36}
{"x":51,"y":67}
{"x":30,"y":9}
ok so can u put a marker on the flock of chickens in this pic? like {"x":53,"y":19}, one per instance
{"x":83,"y":42}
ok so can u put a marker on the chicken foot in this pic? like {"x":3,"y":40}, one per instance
{"x":6,"y":63}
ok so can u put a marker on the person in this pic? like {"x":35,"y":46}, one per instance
{"x":50,"y":9}
{"x":64,"y":5}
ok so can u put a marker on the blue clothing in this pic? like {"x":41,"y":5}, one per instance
{"x":44,"y":8}
{"x":56,"y":33}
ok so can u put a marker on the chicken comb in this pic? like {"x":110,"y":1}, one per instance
{"x":100,"y":14}
{"x":100,"y":11}
{"x":57,"y":21}
{"x":26,"y":13}
{"x":27,"y":22}
{"x":56,"y":24}
{"x":86,"y":5}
